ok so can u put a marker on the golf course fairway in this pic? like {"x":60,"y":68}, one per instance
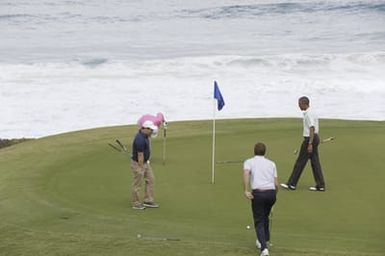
{"x":69,"y":194}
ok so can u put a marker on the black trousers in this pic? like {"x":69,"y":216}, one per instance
{"x":261,"y":206}
{"x":302,"y":159}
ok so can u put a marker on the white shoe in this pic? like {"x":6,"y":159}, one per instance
{"x":285,"y":186}
{"x":258,"y":244}
{"x":265,"y":252}
{"x":317,"y":189}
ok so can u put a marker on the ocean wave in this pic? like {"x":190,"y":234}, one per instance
{"x":307,"y":61}
{"x":129,"y":12}
{"x":61,"y":3}
{"x":99,"y":91}
{"x":374,"y":60}
{"x":27,"y":19}
{"x":261,"y":9}
{"x":362,"y":66}
{"x":65,"y":18}
{"x":16,"y":16}
{"x":374,"y":36}
{"x":93,"y":62}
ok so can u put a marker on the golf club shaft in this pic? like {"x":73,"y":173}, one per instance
{"x":114,"y":147}
{"x":229,"y":162}
{"x":164,"y":144}
{"x":327,"y":139}
{"x":271,"y":223}
{"x":152,"y":238}
{"x":121,"y":145}
{"x":322,"y":141}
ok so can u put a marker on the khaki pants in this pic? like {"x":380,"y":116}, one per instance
{"x":139,"y":174}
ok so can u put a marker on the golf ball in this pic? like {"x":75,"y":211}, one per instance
{"x":247,"y":227}
{"x":138,"y":236}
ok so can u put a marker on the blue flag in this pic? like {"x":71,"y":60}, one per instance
{"x":218,"y":96}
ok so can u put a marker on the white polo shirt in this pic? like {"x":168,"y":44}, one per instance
{"x":263,"y":171}
{"x":310,"y":119}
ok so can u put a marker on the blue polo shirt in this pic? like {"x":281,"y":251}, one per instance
{"x":140,"y":144}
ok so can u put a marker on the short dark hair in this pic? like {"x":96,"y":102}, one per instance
{"x":304,"y":99}
{"x":259,"y":149}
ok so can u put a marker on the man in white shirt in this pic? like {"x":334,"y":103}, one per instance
{"x":309,"y":149}
{"x":260,"y":186}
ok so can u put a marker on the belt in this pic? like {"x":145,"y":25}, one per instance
{"x":307,"y":137}
{"x":145,"y":162}
{"x":263,"y":190}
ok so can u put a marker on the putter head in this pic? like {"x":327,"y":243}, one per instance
{"x":328,"y":139}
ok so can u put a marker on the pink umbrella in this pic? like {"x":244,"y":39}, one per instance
{"x":158,"y":120}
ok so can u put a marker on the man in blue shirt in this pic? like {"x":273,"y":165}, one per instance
{"x":141,"y":168}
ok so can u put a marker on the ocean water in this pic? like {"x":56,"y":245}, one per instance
{"x":73,"y":64}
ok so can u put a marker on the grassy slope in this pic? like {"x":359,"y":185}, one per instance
{"x":69,"y":194}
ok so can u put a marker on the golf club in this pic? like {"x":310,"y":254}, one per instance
{"x":121,"y":145}
{"x":114,"y":147}
{"x":329,"y":139}
{"x":153,"y":238}
{"x":271,"y":225}
{"x":229,"y":162}
{"x":121,"y":148}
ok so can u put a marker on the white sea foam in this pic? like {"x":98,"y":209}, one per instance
{"x":69,"y":65}
{"x":59,"y":97}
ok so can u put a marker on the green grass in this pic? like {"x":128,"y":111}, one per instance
{"x":70,"y":194}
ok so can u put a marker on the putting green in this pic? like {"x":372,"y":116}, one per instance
{"x":70,"y":194}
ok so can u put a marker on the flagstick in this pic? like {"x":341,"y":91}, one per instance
{"x":164,"y":143}
{"x":213,"y":156}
